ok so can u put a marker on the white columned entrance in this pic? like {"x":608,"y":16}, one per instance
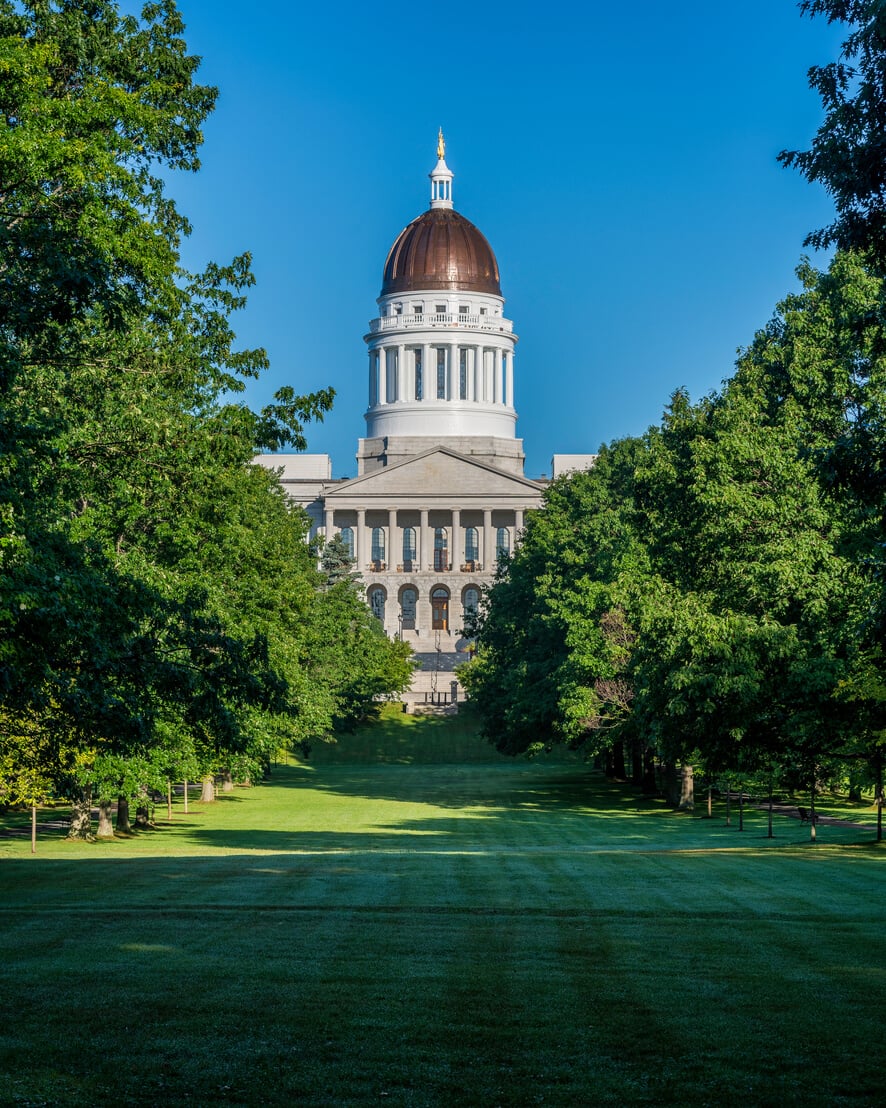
{"x":456,"y":552}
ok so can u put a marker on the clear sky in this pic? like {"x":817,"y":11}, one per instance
{"x":620,"y":158}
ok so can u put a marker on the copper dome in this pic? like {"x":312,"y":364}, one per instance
{"x":441,"y":250}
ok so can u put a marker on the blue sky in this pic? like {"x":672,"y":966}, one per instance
{"x":619,"y":158}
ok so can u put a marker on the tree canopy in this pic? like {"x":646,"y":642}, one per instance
{"x":159,"y":605}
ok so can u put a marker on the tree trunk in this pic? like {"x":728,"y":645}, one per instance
{"x":710,"y":801}
{"x":169,"y":799}
{"x":208,"y":792}
{"x":672,"y":785}
{"x":728,"y":810}
{"x":185,"y":790}
{"x":80,"y":828}
{"x":618,"y":761}
{"x":123,"y":825}
{"x":33,"y":828}
{"x":879,"y":798}
{"x":610,"y":762}
{"x":740,"y":808}
{"x":687,"y":789}
{"x":770,"y":835}
{"x":142,"y":812}
{"x":105,"y":826}
{"x":649,"y":786}
{"x":855,"y":787}
{"x":228,"y":782}
{"x":636,"y":763}
{"x":812,"y":811}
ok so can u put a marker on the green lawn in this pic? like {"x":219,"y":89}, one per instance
{"x":380,"y":925}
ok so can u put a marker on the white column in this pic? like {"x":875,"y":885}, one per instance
{"x":488,"y":543}
{"x":456,"y":550}
{"x":424,"y":542}
{"x":428,"y":374}
{"x":360,"y":539}
{"x":509,"y":381}
{"x":472,"y":376}
{"x":403,"y":392}
{"x":393,"y":554}
{"x":453,"y":371}
{"x":518,"y":524}
{"x":382,"y":375}
{"x":328,"y":516}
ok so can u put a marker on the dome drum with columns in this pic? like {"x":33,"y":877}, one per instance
{"x":440,"y":492}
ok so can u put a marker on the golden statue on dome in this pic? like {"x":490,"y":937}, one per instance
{"x":441,"y":145}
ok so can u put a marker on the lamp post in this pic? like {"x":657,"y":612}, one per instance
{"x":400,"y":627}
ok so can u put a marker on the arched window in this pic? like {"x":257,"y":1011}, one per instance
{"x":378,"y":545}
{"x":440,"y":609}
{"x":377,"y":599}
{"x":441,"y":550}
{"x":408,"y":601}
{"x":408,"y":548}
{"x":502,"y":542}
{"x":472,"y":544}
{"x":347,"y":537}
{"x":471,"y":601}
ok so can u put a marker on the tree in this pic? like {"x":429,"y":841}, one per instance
{"x":159,"y":607}
{"x":847,"y":152}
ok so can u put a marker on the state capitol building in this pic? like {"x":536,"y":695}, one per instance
{"x":440,"y":491}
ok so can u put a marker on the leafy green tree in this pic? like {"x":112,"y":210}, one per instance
{"x":159,"y":608}
{"x":847,"y":152}
{"x":337,"y":562}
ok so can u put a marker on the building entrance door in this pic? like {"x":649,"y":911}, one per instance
{"x":439,"y":610}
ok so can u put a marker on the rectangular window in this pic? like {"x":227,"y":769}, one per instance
{"x":462,"y":374}
{"x":463,"y":309}
{"x":441,"y":373}
{"x":440,"y":309}
{"x":418,"y":380}
{"x":418,"y":309}
{"x":482,"y":311}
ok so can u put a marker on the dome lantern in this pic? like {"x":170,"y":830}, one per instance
{"x":441,"y":177}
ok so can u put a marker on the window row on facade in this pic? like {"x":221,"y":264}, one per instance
{"x":437,"y":608}
{"x":468,"y":556}
{"x":438,"y":312}
{"x":449,"y":372}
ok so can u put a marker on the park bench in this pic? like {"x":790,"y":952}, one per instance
{"x":807,"y":817}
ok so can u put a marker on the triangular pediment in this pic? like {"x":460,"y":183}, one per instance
{"x":436,"y":472}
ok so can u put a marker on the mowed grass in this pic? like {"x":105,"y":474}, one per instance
{"x":381,"y":925}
